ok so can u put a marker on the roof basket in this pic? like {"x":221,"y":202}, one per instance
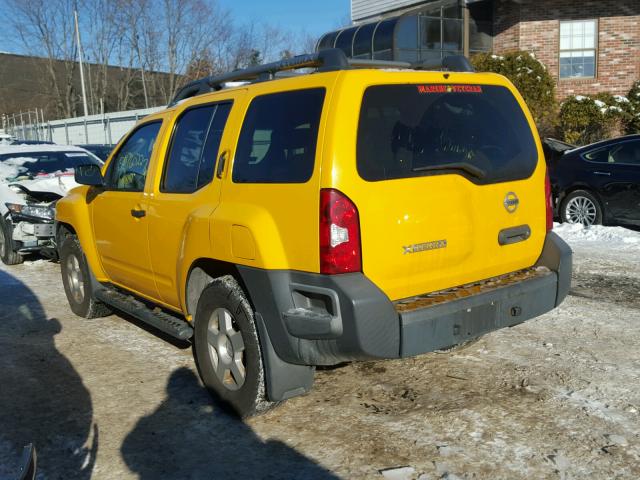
{"x":323,"y":61}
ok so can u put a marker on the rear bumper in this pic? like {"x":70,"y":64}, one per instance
{"x":314,"y":319}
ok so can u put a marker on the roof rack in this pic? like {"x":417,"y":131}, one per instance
{"x":323,"y":61}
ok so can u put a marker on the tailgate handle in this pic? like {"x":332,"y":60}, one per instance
{"x":512,"y":235}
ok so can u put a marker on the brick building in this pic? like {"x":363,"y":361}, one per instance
{"x":589,"y":46}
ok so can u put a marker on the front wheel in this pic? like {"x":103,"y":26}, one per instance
{"x":227,"y":349}
{"x":7,"y":254}
{"x":581,"y":207}
{"x":76,"y":280}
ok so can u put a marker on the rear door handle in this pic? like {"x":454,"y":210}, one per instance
{"x":608,"y":174}
{"x":138,"y":213}
{"x":514,"y":235}
{"x":221,"y":163}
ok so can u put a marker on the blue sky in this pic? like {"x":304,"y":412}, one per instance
{"x":317,"y":17}
{"x":314,"y":16}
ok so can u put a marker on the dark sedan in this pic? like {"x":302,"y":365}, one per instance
{"x":99,"y":150}
{"x":598,"y":184}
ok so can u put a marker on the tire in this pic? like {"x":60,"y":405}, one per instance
{"x":7,"y":254}
{"x":582,"y":207}
{"x":227,"y":350}
{"x":76,"y":279}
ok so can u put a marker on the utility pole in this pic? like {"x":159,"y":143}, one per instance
{"x":144,"y":84}
{"x":84,"y":92}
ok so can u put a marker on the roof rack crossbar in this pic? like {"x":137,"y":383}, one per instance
{"x":324,"y":60}
{"x":330,"y":59}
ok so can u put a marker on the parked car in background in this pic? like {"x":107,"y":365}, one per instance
{"x":598,"y":184}
{"x":32,"y":179}
{"x":99,"y":150}
{"x":17,"y":141}
{"x":554,"y":149}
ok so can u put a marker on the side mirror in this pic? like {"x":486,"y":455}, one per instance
{"x":89,"y":175}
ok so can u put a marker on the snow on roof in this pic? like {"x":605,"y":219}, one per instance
{"x":5,"y":149}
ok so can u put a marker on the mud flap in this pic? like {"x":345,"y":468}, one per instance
{"x":283,"y":380}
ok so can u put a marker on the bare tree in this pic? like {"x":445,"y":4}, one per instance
{"x":142,"y":51}
{"x":46,"y":28}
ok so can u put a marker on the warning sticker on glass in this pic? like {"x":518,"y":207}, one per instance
{"x":449,"y":89}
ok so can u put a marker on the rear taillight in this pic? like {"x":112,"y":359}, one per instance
{"x":339,"y":234}
{"x":548,"y":202}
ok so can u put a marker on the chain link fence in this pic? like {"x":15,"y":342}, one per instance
{"x":106,"y":128}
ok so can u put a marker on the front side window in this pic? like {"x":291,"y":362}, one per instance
{"x":128,"y":170}
{"x":278,"y":138}
{"x":578,"y":49}
{"x":478,"y":131}
{"x":194,"y":148}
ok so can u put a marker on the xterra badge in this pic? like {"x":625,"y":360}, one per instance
{"x":511,"y":202}
{"x":421,"y":247}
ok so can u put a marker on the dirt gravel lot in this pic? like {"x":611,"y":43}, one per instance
{"x":557,"y":397}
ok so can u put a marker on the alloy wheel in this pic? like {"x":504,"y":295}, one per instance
{"x":226,"y":349}
{"x":75,"y":278}
{"x":581,"y":210}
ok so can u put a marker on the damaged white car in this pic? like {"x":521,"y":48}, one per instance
{"x":32,"y":179}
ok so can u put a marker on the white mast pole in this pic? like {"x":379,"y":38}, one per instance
{"x":84,"y":92}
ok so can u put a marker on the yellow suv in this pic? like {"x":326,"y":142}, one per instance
{"x":365,"y":210}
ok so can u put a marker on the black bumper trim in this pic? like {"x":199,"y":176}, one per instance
{"x":350,"y":318}
{"x":433,"y":328}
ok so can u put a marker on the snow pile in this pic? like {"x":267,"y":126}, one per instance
{"x":13,"y":167}
{"x":9,"y":149}
{"x":597,"y":235}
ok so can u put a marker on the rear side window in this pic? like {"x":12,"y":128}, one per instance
{"x":627,"y":153}
{"x":278,"y":138}
{"x":194,"y":148}
{"x":477,"y":131}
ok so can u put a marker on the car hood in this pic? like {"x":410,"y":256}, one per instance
{"x":58,"y":183}
{"x":42,"y":189}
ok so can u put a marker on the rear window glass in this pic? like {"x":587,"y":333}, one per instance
{"x":278,"y":138}
{"x":477,"y":131}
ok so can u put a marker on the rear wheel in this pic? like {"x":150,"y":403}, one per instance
{"x":7,"y":254}
{"x":581,"y":207}
{"x":227,"y":350}
{"x":76,"y":279}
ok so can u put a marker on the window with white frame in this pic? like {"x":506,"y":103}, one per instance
{"x":578,"y":48}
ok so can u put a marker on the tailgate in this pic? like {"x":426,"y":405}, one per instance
{"x":451,"y":189}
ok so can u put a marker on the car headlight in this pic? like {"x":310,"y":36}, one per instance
{"x":45,"y":212}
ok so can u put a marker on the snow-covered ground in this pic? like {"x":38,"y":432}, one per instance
{"x":597,"y":237}
{"x":556,"y":397}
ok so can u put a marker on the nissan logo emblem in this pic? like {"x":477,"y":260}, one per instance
{"x":511,"y":202}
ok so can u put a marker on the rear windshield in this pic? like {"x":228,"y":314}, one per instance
{"x":477,"y":131}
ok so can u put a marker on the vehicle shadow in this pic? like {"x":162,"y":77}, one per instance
{"x":42,"y":398}
{"x":189,"y":436}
